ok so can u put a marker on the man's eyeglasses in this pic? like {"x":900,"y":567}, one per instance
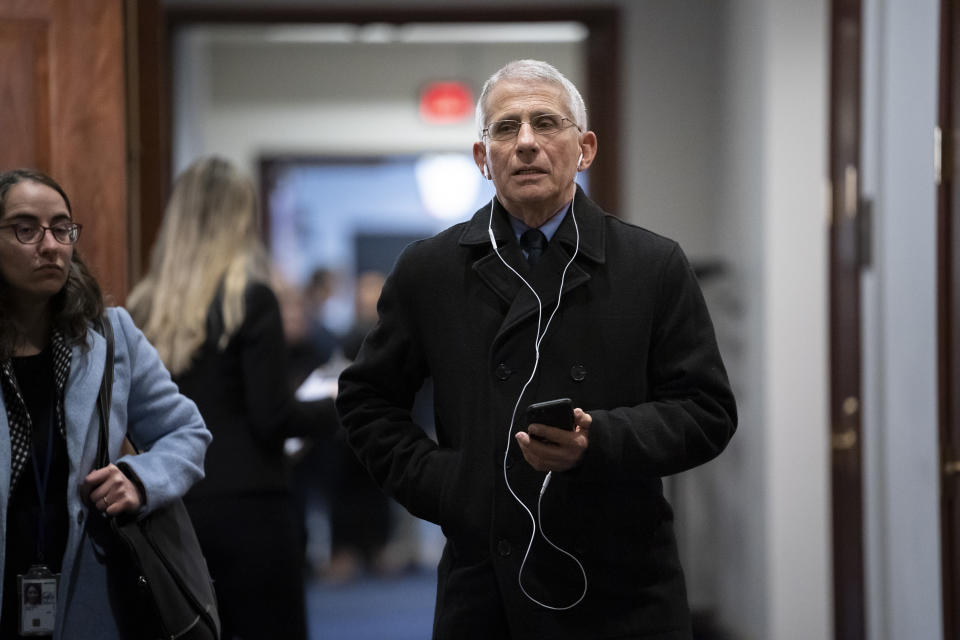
{"x":32,"y":233}
{"x":547,"y":124}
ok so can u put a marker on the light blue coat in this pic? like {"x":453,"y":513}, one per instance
{"x":165,"y":424}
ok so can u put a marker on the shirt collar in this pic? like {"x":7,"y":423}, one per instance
{"x":548,"y":228}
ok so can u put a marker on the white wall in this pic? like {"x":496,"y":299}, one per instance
{"x":774,"y":234}
{"x":741,"y":484}
{"x":724,"y":149}
{"x":672,"y":86}
{"x":795,"y":243}
{"x":899,"y":297}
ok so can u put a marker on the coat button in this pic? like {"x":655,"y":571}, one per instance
{"x":503,"y":371}
{"x":503,"y":547}
{"x":578,"y":372}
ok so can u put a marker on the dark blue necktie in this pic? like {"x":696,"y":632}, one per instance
{"x":533,"y":242}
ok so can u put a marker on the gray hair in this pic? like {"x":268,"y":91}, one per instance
{"x":532,"y":71}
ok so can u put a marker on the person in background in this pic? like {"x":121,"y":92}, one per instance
{"x":316,"y":292}
{"x":551,"y":532}
{"x":52,"y":361}
{"x":360,"y":514}
{"x":303,"y":355}
{"x":314,"y":462}
{"x":367,"y":292}
{"x":207,"y":305}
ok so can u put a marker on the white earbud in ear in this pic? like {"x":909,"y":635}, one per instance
{"x":579,"y":160}
{"x":483,"y":169}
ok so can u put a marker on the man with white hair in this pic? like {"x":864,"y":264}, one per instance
{"x":556,"y":523}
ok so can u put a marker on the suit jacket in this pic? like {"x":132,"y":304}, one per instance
{"x":165,"y":424}
{"x":631,"y":343}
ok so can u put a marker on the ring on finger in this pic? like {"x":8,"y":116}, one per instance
{"x":105,"y":503}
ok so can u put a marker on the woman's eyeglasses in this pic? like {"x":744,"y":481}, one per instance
{"x":32,"y":233}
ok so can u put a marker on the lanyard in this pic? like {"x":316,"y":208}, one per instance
{"x":43,"y":483}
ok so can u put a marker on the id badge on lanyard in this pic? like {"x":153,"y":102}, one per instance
{"x":37,"y":588}
{"x":38,"y":601}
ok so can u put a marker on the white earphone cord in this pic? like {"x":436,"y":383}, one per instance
{"x":535,"y":521}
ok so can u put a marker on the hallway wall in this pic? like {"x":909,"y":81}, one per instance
{"x":900,"y":326}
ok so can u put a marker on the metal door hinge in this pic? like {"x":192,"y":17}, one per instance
{"x":938,"y":155}
{"x":850,"y":191}
{"x":865,"y":233}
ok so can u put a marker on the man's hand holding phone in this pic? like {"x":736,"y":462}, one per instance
{"x":557,"y":435}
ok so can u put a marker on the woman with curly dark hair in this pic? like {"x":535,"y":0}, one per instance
{"x":51,"y":365}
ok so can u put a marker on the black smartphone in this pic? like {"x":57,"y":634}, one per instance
{"x":553,"y":413}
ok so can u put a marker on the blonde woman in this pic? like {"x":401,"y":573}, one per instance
{"x":207,"y":306}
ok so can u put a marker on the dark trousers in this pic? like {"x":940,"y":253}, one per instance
{"x":254,"y":545}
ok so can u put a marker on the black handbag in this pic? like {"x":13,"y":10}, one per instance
{"x":165,"y":584}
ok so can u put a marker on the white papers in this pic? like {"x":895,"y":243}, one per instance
{"x":317,"y":386}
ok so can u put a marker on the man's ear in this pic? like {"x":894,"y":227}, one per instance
{"x":588,"y":147}
{"x":480,"y":158}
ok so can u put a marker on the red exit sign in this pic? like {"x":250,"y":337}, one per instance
{"x":445,"y":102}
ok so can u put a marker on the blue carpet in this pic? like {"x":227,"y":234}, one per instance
{"x":394,"y":608}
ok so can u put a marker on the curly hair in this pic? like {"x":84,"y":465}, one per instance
{"x":76,"y":305}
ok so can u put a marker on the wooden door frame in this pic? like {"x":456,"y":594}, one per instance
{"x":845,"y":320}
{"x":948,"y":314}
{"x":63,"y":113}
{"x":149,"y":155}
{"x":153,"y":23}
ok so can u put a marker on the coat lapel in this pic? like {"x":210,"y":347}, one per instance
{"x":83,"y":386}
{"x":5,"y":463}
{"x":545,"y":279}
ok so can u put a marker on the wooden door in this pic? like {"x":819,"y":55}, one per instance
{"x":948,"y":312}
{"x":845,"y":322}
{"x":62,"y":112}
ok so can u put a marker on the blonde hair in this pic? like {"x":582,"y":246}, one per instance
{"x":208,"y":241}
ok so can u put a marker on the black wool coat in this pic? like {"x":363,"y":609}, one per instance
{"x":631,"y":343}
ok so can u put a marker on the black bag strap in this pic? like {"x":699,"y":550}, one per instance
{"x":104,"y":399}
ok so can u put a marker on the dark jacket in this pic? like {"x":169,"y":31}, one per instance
{"x":248,"y":524}
{"x":243,"y":393}
{"x":632,"y":344}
